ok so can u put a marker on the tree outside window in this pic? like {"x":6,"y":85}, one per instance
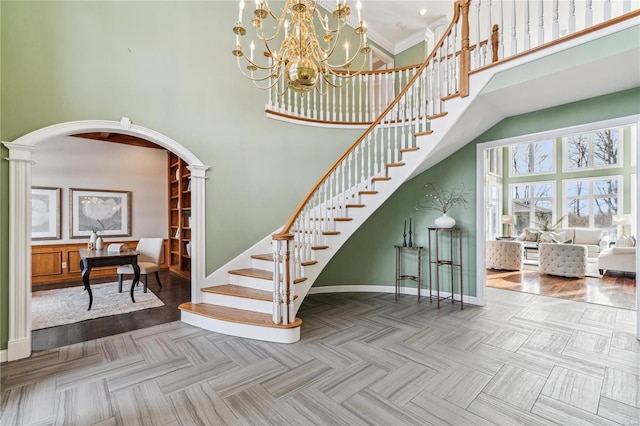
{"x":592,"y":202}
{"x":533,"y":157}
{"x":532,"y":203}
{"x":592,"y":150}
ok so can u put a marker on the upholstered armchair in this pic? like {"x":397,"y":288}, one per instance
{"x":507,"y":255}
{"x":565,"y":260}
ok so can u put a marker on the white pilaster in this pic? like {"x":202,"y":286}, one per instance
{"x":19,"y":345}
{"x":198,"y":261}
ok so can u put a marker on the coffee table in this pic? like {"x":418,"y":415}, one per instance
{"x":533,"y":247}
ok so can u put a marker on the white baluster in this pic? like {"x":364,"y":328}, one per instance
{"x":340,"y":104}
{"x":527,"y":33}
{"x":354,"y":99}
{"x":588,"y":18}
{"x":607,"y":10}
{"x":626,"y":6}
{"x":486,"y":49}
{"x":379,"y":106}
{"x":572,"y":17}
{"x":334,"y":116}
{"x":276,"y":281}
{"x":501,"y":32}
{"x":476,"y":53}
{"x":514,"y":30}
{"x":360,"y":97}
{"x":556,"y":18}
{"x":540,"y":22}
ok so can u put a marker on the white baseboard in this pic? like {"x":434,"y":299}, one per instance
{"x":472,"y":300}
{"x":3,"y":356}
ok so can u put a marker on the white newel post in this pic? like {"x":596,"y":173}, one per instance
{"x":19,"y":345}
{"x":198,"y":263}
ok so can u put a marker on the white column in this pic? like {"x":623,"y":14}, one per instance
{"x":19,"y":345}
{"x":198,"y":261}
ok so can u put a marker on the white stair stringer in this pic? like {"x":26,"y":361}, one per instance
{"x":385,"y":188}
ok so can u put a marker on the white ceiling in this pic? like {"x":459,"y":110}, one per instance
{"x":396,"y":25}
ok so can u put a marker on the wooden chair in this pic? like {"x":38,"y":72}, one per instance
{"x":150,"y":250}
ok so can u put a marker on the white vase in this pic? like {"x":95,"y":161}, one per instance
{"x":93,"y":237}
{"x":99,"y":243}
{"x":444,"y":221}
{"x":189,"y":249}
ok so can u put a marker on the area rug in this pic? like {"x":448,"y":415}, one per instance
{"x":69,"y":305}
{"x":592,"y":267}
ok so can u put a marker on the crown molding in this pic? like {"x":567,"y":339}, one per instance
{"x":352,"y":21}
{"x":410,"y":41}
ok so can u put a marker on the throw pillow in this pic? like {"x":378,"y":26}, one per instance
{"x":633,"y":240}
{"x":560,"y":236}
{"x":531,"y":236}
{"x":569,"y":241}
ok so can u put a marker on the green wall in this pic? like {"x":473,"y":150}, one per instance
{"x":168,"y":67}
{"x":368,"y":257}
{"x":414,"y":55}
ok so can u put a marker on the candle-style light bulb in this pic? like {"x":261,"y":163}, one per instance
{"x":346,"y":50}
{"x":253,"y":46}
{"x":240,"y":10}
{"x":286,"y":29}
{"x":359,"y":6}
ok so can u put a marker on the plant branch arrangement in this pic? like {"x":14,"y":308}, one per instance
{"x":95,"y":229}
{"x":442,"y":200}
{"x":545,"y":225}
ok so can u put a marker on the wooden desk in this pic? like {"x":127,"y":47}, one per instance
{"x":98,"y":258}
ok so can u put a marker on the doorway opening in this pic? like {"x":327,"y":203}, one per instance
{"x":551,"y":190}
{"x":21,"y":151}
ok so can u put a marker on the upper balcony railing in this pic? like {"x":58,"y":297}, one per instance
{"x":498,"y":29}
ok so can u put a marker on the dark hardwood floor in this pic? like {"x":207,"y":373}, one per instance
{"x":616,"y":289}
{"x":175,"y":290}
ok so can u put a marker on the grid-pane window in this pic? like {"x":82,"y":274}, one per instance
{"x":592,"y":202}
{"x":532,"y":203}
{"x":593,"y":150}
{"x":532,"y":157}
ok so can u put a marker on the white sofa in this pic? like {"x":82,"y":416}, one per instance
{"x":565,"y":260}
{"x":621,"y":259}
{"x":504,"y":255}
{"x":595,"y":240}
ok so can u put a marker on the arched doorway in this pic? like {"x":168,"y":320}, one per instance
{"x":20,"y":160}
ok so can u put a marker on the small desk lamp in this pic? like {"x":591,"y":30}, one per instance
{"x":621,"y":220}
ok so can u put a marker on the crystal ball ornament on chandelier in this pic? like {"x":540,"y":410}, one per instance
{"x":295,"y":57}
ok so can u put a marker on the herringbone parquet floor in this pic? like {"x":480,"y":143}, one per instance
{"x":363,"y":359}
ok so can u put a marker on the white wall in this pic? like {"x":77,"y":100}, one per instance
{"x":77,"y":163}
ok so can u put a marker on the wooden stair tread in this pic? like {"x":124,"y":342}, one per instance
{"x":240,"y":291}
{"x":380,"y":178}
{"x":241,"y":316}
{"x":395,"y":164}
{"x":355,"y":206}
{"x":432,"y":117}
{"x":254,"y":273}
{"x":367,"y":192}
{"x":426,"y":132}
{"x":269,"y":257}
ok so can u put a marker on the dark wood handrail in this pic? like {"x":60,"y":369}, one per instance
{"x":456,"y":16}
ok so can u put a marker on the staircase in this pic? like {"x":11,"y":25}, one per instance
{"x":258,"y":293}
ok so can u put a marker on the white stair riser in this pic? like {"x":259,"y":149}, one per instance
{"x":238,"y":302}
{"x":269,"y":334}
{"x":251,"y":282}
{"x":267,"y":265}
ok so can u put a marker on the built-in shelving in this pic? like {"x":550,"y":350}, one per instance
{"x":179,"y":214}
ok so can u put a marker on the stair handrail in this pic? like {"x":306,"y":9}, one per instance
{"x":289,"y":224}
{"x":283,"y":294}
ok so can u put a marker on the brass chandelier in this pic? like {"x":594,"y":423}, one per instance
{"x":302,"y":56}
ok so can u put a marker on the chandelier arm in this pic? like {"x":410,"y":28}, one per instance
{"x":253,"y":77}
